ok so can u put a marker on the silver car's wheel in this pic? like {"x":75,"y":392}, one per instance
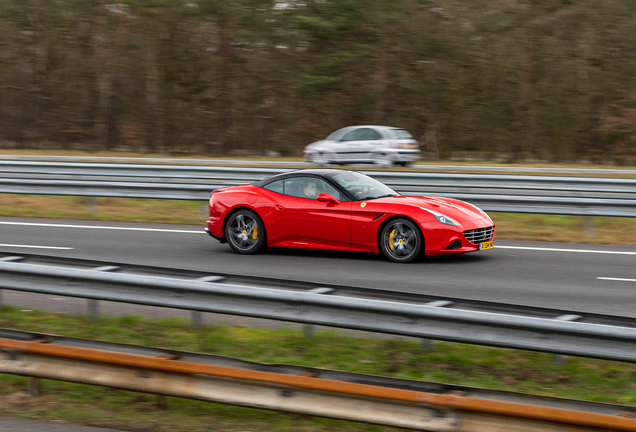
{"x":245,"y":232}
{"x":322,"y":158}
{"x":401,"y":241}
{"x":382,"y":160}
{"x":318,"y":158}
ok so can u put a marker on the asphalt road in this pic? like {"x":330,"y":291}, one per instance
{"x":555,"y":275}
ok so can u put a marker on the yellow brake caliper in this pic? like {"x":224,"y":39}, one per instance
{"x":255,"y":233}
{"x":391,"y":240}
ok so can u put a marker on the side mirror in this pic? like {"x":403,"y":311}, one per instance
{"x":327,"y":197}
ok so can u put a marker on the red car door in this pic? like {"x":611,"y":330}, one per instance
{"x":302,"y":220}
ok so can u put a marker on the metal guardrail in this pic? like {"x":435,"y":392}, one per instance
{"x":563,"y":335}
{"x":332,"y":289}
{"x":590,"y":196}
{"x":302,"y":164}
{"x":312,"y":391}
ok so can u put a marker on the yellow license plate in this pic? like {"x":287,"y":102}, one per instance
{"x":486,"y":245}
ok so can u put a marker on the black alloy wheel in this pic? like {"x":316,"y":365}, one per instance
{"x":245,"y":232}
{"x":401,"y":241}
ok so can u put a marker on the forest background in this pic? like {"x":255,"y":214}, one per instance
{"x":512,"y":80}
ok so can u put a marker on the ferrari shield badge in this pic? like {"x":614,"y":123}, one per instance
{"x":363,"y":204}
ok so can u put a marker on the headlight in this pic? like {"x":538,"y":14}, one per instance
{"x":442,"y":218}
{"x":482,"y":212}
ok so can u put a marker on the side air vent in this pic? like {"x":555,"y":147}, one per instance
{"x":454,"y":245}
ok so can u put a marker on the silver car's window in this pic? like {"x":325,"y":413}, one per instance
{"x":362,"y":187}
{"x":309,"y":187}
{"x":369,"y":134}
{"x":277,"y":186}
{"x":354,"y":135}
{"x":402,"y":134}
{"x":338,"y":134}
{"x":361,"y":134}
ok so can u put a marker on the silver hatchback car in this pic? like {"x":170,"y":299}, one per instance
{"x":379,"y":145}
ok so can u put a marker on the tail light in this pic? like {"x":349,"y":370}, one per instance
{"x":212,"y":211}
{"x":402,"y":145}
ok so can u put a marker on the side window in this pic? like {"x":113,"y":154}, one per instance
{"x":354,"y":135}
{"x":367,"y":134}
{"x":373,"y":134}
{"x":364,"y":134}
{"x":277,"y":186}
{"x":323,"y":187}
{"x":308,"y":187}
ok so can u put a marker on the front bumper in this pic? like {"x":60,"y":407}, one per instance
{"x":449,"y":240}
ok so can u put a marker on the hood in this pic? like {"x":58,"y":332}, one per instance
{"x":316,"y":144}
{"x":458,"y":210}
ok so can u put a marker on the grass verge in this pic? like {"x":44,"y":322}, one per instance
{"x":499,"y":369}
{"x":510,"y":226}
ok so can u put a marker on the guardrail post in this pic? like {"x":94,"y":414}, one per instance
{"x":33,"y":387}
{"x":308,"y":331}
{"x":93,"y":305}
{"x":8,"y":259}
{"x":91,"y":204}
{"x":93,"y":311}
{"x":558,"y":358}
{"x":588,"y":226}
{"x":427,"y":344}
{"x":162,"y":401}
{"x":196,"y":319}
{"x":196,"y":316}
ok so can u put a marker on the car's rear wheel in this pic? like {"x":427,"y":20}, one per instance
{"x":401,"y":241}
{"x":245,"y":232}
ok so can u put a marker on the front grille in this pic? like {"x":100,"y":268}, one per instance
{"x":479,"y":235}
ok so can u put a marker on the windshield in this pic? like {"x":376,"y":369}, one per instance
{"x":362,"y":187}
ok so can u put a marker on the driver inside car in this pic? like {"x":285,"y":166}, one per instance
{"x":310,"y":190}
{"x":361,"y":192}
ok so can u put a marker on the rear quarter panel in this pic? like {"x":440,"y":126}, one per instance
{"x":259,"y":200}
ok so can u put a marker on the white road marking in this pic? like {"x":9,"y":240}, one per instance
{"x":616,"y":279}
{"x":35,"y":247}
{"x":567,"y":250}
{"x":102,"y":227}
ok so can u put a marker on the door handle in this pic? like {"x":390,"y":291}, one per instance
{"x":279,"y":207}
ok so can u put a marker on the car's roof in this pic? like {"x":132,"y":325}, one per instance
{"x":373,"y":126}
{"x":384,"y":130}
{"x":321,"y":172}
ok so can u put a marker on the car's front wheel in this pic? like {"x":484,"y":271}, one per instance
{"x":245,"y":232}
{"x":382,"y":160}
{"x":322,"y":158}
{"x":401,"y":241}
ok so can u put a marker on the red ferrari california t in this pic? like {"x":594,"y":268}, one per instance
{"x":346,"y":211}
